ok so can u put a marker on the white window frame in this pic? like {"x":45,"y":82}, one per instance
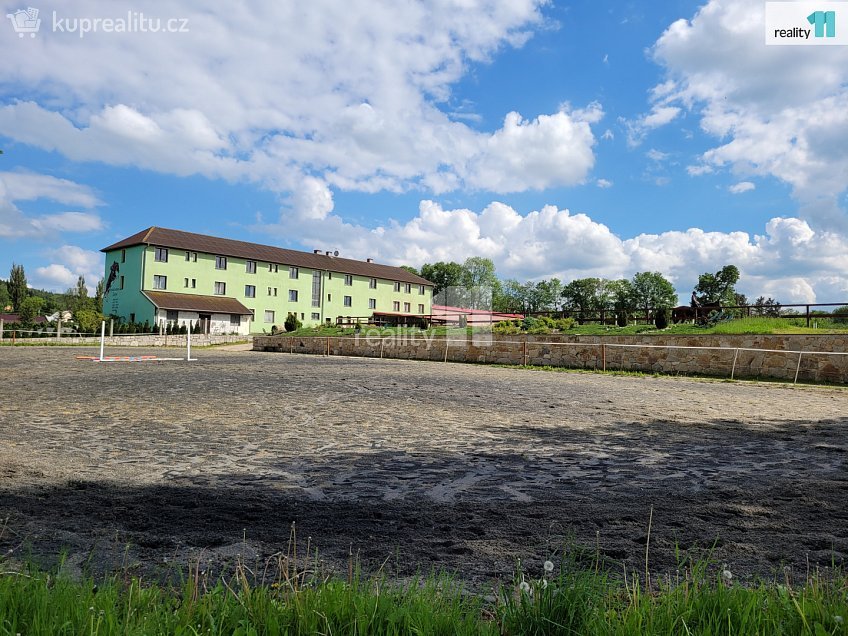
{"x":372,"y":303}
{"x":159,"y":253}
{"x":220,"y":288}
{"x":348,"y":301}
{"x":250,"y":291}
{"x":160,"y":282}
{"x":221,"y":262}
{"x":292,"y":295}
{"x":250,"y":267}
{"x":269,"y":312}
{"x":372,"y":284}
{"x":294,"y":272}
{"x":348,"y":280}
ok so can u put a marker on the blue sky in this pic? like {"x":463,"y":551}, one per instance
{"x":558,"y":138}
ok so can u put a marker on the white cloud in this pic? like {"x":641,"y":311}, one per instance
{"x":556,"y":242}
{"x":639,"y":128}
{"x":604,"y":183}
{"x":67,"y":263}
{"x":354,"y":98}
{"x":656,"y":155}
{"x":778,"y":110}
{"x":742,"y":186}
{"x":29,"y":186}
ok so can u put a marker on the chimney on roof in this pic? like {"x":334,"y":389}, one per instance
{"x":328,"y":252}
{"x":369,"y":260}
{"x":316,"y":251}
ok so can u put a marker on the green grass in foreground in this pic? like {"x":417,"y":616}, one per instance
{"x":753,"y":325}
{"x":573,"y":602}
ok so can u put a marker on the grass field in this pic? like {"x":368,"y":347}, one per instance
{"x":570,"y":601}
{"x":753,"y":325}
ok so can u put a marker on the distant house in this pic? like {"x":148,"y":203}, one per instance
{"x":474,"y":317}
{"x":65,"y":316}
{"x":7,"y":318}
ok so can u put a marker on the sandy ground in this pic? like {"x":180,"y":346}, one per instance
{"x":421,"y":465}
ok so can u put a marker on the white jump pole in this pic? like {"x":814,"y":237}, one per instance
{"x":188,"y":347}
{"x":102,"y":338}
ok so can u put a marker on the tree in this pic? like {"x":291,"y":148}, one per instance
{"x":653,"y":290}
{"x":4,"y":295}
{"x":30,"y":308}
{"x":622,"y":295}
{"x":17,"y":286}
{"x":480,"y":282}
{"x":511,"y":297}
{"x":442,"y":275}
{"x":410,"y":269}
{"x":766,"y":307}
{"x":718,"y":287}
{"x":586,"y":295}
{"x":548,"y":294}
{"x":89,"y":320}
{"x":77,"y":297}
{"x":98,"y":294}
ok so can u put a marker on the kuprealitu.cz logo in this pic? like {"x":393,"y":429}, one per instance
{"x":28,"y":22}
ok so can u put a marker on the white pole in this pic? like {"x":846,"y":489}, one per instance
{"x":102,"y":338}
{"x":188,"y":346}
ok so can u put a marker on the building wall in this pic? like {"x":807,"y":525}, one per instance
{"x":202,"y":276}
{"x":128,"y":301}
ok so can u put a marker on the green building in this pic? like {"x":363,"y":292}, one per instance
{"x":160,"y":275}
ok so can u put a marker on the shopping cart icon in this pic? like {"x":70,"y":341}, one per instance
{"x":25,"y":21}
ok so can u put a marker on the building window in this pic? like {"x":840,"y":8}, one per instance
{"x":250,"y":267}
{"x":272,"y":291}
{"x":123,"y":256}
{"x":250,"y":291}
{"x":408,"y":288}
{"x":220,"y":288}
{"x":348,"y":301}
{"x":235,"y":320}
{"x":220,"y":262}
{"x":397,"y":287}
{"x":372,"y":303}
{"x":316,"y":288}
{"x":407,"y":308}
{"x":329,"y":298}
{"x":160,"y":282}
{"x":421,"y":290}
{"x":420,"y":309}
{"x":293,"y":272}
{"x":372,"y":284}
{"x":191,"y":257}
{"x":348,"y":280}
{"x":269,"y":316}
{"x":193,"y":283}
{"x":186,"y":283}
{"x":292,"y":295}
{"x":396,"y":305}
{"x":161,"y":254}
{"x":273,"y":268}
{"x":316,"y":315}
{"x":122,"y":283}
{"x":172,"y":316}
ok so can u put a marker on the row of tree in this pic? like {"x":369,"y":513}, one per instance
{"x":646,"y":290}
{"x":30,"y":303}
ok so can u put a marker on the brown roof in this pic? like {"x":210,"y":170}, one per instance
{"x":195,"y":302}
{"x":177,"y":239}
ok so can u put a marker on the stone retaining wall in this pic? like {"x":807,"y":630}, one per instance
{"x":149,"y":340}
{"x":709,"y":355}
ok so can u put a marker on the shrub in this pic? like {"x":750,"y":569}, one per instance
{"x":843,"y":319}
{"x":564,"y":324}
{"x":621,"y":319}
{"x":507,"y":327}
{"x":292,"y":323}
{"x":661,"y":318}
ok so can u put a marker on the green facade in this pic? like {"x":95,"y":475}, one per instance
{"x":272,"y":282}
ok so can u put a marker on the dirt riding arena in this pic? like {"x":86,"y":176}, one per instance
{"x":421,"y":465}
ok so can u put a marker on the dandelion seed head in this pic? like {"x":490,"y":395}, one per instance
{"x":524,"y":586}
{"x":727,"y":575}
{"x":838,"y":619}
{"x":549,"y":566}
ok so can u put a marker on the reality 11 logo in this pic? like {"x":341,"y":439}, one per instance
{"x":823,"y":20}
